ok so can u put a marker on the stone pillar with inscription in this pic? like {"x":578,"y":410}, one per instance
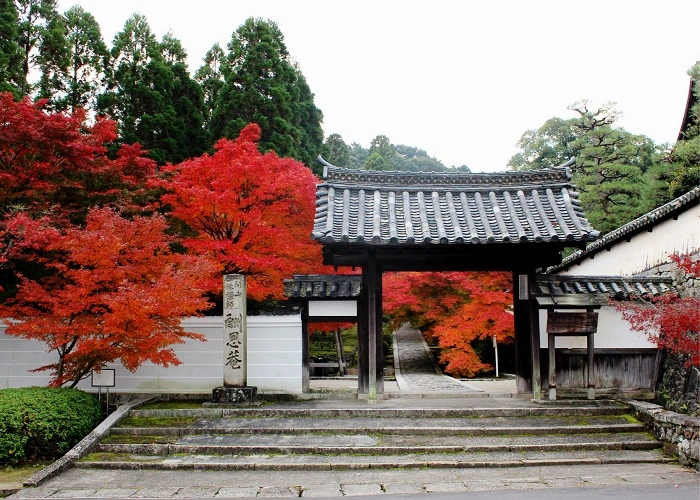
{"x":235,"y":388}
{"x":235,"y":332}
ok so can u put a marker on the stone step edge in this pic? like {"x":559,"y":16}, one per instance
{"x":329,"y":466}
{"x":548,"y":411}
{"x":173,"y":449}
{"x":428,"y":431}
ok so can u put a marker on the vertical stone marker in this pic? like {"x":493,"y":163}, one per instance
{"x":235,"y":388}
{"x":235,"y":331}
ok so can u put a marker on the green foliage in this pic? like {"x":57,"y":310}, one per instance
{"x":262,"y":86}
{"x":151,"y":96}
{"x":40,"y":422}
{"x":685,"y":157}
{"x":10,"y":51}
{"x":616,"y":172}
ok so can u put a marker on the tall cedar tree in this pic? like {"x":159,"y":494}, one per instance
{"x":211,"y":79}
{"x":672,"y":322}
{"x":115,"y":292}
{"x":251,"y":211}
{"x":11,"y":75}
{"x":262,"y":86}
{"x":460,"y":310}
{"x":84,"y":76}
{"x":151,"y":96}
{"x":38,"y":38}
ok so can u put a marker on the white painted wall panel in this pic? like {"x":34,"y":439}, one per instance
{"x":318,"y":308}
{"x":613,"y":333}
{"x":274,"y":348}
{"x":645,"y":250}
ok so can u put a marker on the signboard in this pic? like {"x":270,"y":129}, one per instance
{"x":104,"y":378}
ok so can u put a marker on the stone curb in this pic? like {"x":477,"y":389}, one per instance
{"x":680,"y":434}
{"x":346,"y":466}
{"x":85,"y":445}
{"x":7,"y":489}
{"x":534,"y":411}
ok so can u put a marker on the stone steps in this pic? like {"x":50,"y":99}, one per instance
{"x":320,"y":462}
{"x":357,"y":437}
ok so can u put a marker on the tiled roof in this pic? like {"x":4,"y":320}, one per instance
{"x":561,"y":290}
{"x":391,"y":208}
{"x":614,"y":286}
{"x":643,"y":223}
{"x":323,"y":286}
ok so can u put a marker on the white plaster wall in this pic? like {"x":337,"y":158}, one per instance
{"x":645,"y":250}
{"x":275,"y":353}
{"x":274,"y":360}
{"x":332,"y":308}
{"x":613,"y":333}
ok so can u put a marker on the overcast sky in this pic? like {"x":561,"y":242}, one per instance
{"x":460,"y":79}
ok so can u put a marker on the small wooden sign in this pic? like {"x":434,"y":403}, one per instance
{"x":572,"y":323}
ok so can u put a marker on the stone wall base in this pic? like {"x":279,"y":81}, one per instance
{"x":230,"y":395}
{"x":680,"y":434}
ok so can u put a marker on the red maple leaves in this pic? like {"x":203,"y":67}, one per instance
{"x":671,"y":321}
{"x":113,"y":290}
{"x":455,"y":308}
{"x":252,"y":212}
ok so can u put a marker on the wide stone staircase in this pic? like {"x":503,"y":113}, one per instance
{"x":354,"y":435}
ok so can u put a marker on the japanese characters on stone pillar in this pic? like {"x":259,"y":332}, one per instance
{"x":235,"y":331}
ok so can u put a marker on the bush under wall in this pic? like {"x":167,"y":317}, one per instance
{"x":43,"y":422}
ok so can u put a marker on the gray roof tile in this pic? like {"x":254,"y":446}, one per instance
{"x":323,"y":286}
{"x":390,"y":208}
{"x":615,"y":286}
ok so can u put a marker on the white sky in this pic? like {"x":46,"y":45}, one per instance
{"x":459,"y":79}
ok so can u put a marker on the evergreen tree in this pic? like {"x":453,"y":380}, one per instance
{"x":262,"y":86}
{"x":151,"y":96}
{"x":336,"y":152}
{"x":685,"y":157}
{"x":85,"y":76}
{"x":10,"y":52}
{"x":54,"y":60}
{"x":610,"y":167}
{"x":614,"y":169}
{"x":211,"y":78}
{"x":188,"y":102}
{"x":34,"y":20}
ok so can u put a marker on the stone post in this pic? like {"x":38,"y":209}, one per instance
{"x":235,"y":331}
{"x":235,"y":388}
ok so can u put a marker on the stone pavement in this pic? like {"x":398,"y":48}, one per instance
{"x":416,"y":374}
{"x":415,"y":367}
{"x":94,"y":483}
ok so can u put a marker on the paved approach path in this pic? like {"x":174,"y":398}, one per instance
{"x":416,"y":370}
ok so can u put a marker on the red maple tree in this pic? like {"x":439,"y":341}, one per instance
{"x":253,"y":212}
{"x":113,"y":290}
{"x":455,"y":308}
{"x":57,"y":165}
{"x":671,"y":321}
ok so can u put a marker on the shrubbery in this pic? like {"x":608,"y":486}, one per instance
{"x":42,"y":422}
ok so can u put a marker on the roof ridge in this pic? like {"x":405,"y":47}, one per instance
{"x":648,"y":218}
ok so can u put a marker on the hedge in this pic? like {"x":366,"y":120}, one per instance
{"x":43,"y":422}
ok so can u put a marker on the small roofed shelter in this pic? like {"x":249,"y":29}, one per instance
{"x":323,"y":298}
{"x":407,"y":221}
{"x":625,"y":360}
